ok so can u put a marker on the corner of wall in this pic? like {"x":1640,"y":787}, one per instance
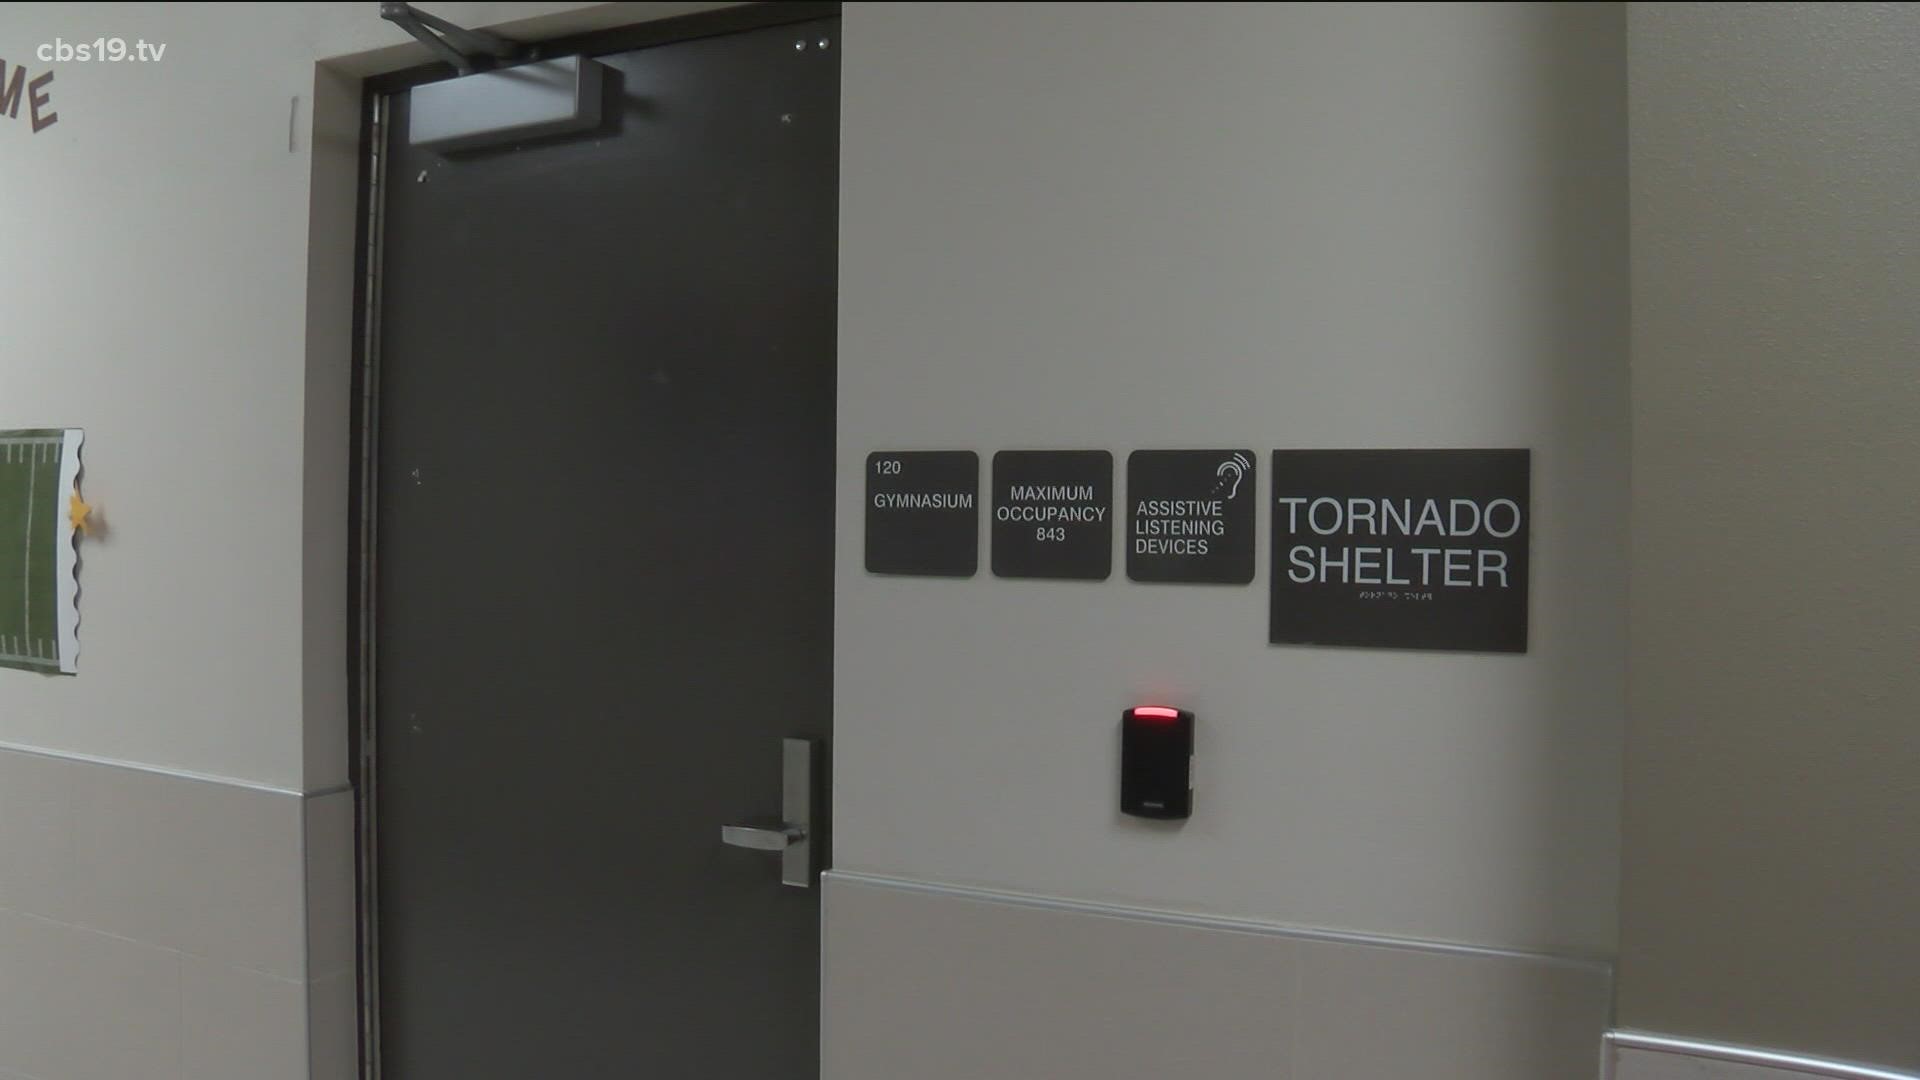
{"x":332,"y":232}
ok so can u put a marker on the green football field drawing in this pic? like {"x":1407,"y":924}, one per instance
{"x":39,"y":615}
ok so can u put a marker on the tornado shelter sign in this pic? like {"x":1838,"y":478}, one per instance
{"x":1401,"y":549}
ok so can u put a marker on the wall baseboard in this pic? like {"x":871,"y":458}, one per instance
{"x":1218,"y":922}
{"x":177,"y":774}
{"x":1639,"y":1055}
{"x":160,"y":923}
{"x":940,"y":982}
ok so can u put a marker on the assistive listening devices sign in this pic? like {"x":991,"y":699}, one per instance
{"x":1190,"y":516}
{"x":1411,"y":549}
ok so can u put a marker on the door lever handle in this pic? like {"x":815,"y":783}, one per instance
{"x":778,"y":836}
{"x":791,"y":833}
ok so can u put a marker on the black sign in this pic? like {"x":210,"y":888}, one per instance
{"x":1190,"y":516}
{"x":1053,"y":514}
{"x":923,"y":512}
{"x":1408,"y":549}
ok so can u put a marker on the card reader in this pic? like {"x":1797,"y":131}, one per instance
{"x":1156,"y":762}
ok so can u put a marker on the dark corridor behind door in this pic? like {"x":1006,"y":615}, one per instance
{"x":604,"y":573}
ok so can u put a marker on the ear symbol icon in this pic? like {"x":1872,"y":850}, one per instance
{"x":1231,"y":472}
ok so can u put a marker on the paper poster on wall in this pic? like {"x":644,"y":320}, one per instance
{"x":39,"y":584}
{"x":1401,"y":549}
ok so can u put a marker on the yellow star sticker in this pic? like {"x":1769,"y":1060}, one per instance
{"x":78,"y":512}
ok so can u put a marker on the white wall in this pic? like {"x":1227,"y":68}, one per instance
{"x":1120,"y":227}
{"x":1267,"y":226}
{"x":1772,"y":855}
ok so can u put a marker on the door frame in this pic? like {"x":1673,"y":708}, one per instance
{"x":362,"y":562}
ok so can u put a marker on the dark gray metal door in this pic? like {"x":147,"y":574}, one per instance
{"x":604,"y":574}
